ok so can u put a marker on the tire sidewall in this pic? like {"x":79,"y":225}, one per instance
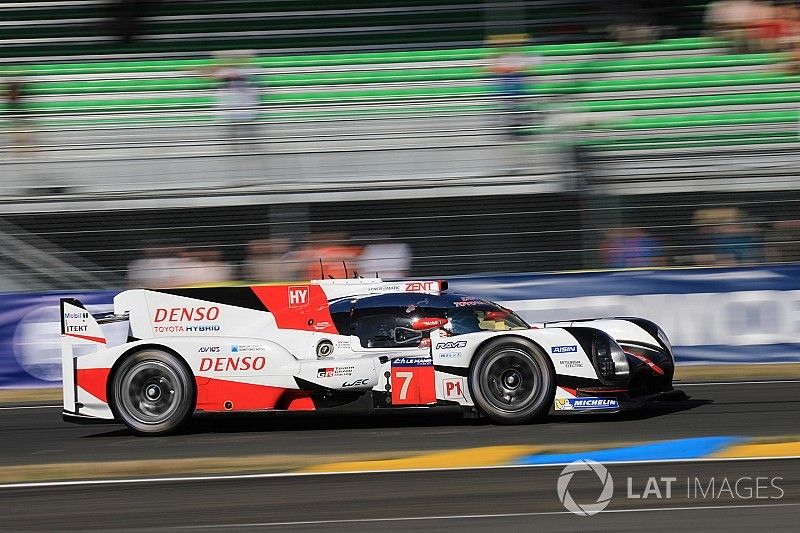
{"x":177,"y":419}
{"x":536,"y":409}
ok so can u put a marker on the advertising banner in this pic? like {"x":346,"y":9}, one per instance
{"x":712,"y":315}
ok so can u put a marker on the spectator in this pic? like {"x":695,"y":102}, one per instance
{"x":126,"y":16}
{"x":269,"y":260}
{"x":386,"y":258}
{"x":727,"y":238}
{"x":631,"y":248}
{"x":510,"y":66}
{"x":334,"y":250}
{"x":783,"y":241}
{"x":19,"y":119}
{"x":161,"y":266}
{"x":238,"y":97}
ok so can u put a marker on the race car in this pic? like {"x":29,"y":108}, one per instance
{"x":363,"y":343}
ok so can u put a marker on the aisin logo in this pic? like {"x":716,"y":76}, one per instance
{"x":587,"y":509}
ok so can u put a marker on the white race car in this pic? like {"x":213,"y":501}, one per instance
{"x":355,"y":342}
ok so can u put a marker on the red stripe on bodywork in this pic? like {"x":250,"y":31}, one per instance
{"x":655,"y":368}
{"x":303,"y":307}
{"x":86,"y":337}
{"x":213,"y":393}
{"x":573,"y":392}
{"x":93,"y":381}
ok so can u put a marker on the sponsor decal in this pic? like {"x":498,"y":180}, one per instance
{"x":186,"y":314}
{"x":230,"y":364}
{"x":422,"y":286}
{"x":467,"y":303}
{"x":585,"y":404}
{"x":356,"y":383}
{"x":564,"y":349}
{"x":298,"y":296}
{"x":422,"y":324}
{"x":334,"y":371}
{"x":343,"y":343}
{"x":321,"y":326}
{"x":450,"y":345}
{"x":177,"y":328}
{"x":413,"y":361}
{"x":70,"y":315}
{"x":449,"y":355}
{"x":76,"y":329}
{"x":453,"y":388}
{"x":238,"y":348}
{"x":209,"y":349}
{"x":572,"y":363}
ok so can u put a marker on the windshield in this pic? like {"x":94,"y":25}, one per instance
{"x":479,"y":315}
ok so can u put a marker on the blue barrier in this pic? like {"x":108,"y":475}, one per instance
{"x":712,"y":315}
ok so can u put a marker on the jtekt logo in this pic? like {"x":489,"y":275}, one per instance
{"x":588,"y":509}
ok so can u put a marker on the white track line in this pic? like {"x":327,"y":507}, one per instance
{"x":679,"y":384}
{"x":14,"y":407}
{"x":235,"y":477}
{"x":478,"y":516}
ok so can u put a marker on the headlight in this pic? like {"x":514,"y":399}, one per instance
{"x":610,"y":359}
{"x":663,"y":338}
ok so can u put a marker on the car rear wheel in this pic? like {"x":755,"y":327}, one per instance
{"x":512,"y":381}
{"x":153,"y":392}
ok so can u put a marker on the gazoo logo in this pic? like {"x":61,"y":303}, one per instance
{"x":422,"y":286}
{"x":186,"y":314}
{"x":298,"y":296}
{"x":450,"y":345}
{"x":564,"y":349}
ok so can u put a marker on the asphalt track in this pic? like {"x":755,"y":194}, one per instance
{"x":34,"y":436}
{"x":511,"y":498}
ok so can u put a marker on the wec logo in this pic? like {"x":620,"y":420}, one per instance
{"x":451,"y":345}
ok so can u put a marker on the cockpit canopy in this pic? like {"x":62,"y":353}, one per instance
{"x":389,"y":320}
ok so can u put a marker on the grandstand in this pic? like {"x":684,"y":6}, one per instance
{"x":382,"y":101}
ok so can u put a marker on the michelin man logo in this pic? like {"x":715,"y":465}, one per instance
{"x":588,"y":509}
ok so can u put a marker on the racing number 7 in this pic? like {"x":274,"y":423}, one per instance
{"x":406,"y":377}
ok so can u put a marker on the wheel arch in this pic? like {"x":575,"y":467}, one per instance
{"x":512,"y":336}
{"x":131,"y":352}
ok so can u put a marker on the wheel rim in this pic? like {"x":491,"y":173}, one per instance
{"x":151,"y":392}
{"x":511,"y":380}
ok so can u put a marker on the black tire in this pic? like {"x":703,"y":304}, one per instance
{"x":153,"y":393}
{"x":512,"y":381}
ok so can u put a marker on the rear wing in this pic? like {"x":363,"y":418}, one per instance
{"x":81,"y":334}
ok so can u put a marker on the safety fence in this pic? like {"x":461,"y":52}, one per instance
{"x":712,"y":315}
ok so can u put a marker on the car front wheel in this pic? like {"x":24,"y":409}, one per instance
{"x":512,"y":381}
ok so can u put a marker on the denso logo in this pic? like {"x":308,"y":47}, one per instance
{"x":186,"y":314}
{"x":298,"y":296}
{"x":421,"y":286}
{"x":228,"y":364}
{"x":451,"y":345}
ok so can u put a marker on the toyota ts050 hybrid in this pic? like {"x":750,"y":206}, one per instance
{"x":351,"y":342}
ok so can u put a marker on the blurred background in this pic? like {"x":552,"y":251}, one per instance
{"x":183,"y":142}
